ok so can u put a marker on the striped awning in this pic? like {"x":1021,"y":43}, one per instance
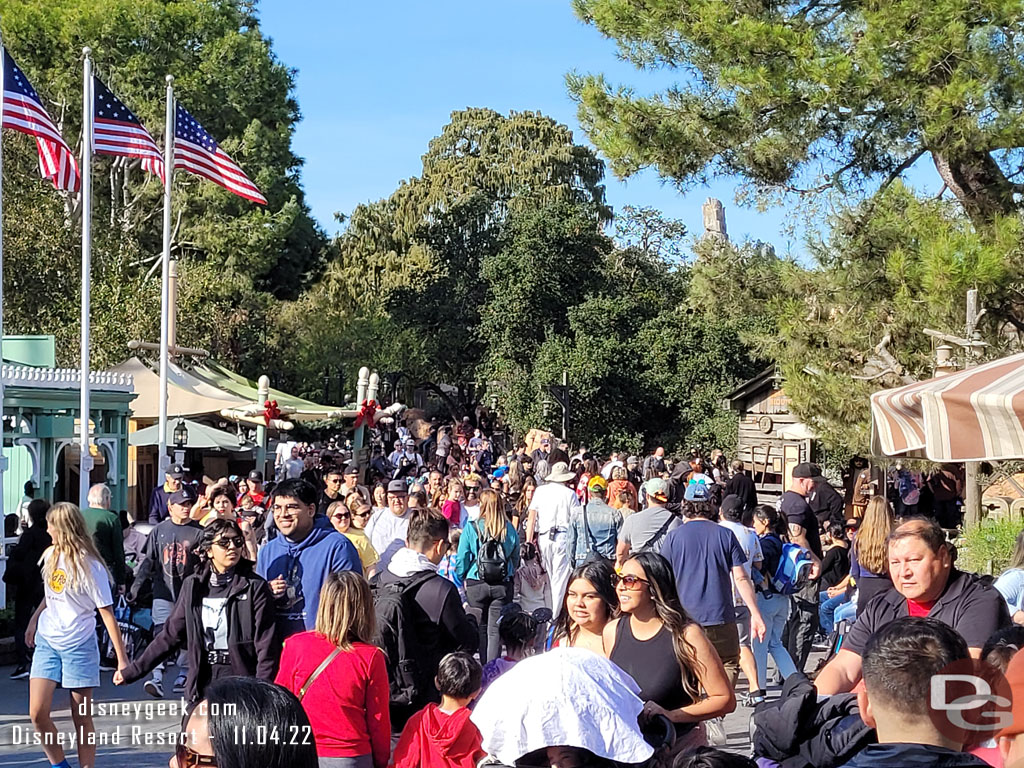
{"x":972,"y":415}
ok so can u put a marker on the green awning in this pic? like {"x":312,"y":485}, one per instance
{"x":229,"y":381}
{"x":200,"y":436}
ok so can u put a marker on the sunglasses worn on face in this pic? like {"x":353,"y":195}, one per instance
{"x":629,"y":581}
{"x":360,"y":514}
{"x":229,"y":543}
{"x":189,"y":758}
{"x":341,"y":516}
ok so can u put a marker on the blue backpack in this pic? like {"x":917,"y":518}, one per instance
{"x":793,"y":564}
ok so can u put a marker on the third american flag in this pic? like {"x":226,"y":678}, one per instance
{"x":196,"y":151}
{"x":116,"y":131}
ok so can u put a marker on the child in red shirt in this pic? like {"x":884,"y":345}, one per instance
{"x":442,"y":736}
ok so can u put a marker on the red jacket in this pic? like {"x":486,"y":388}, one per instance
{"x":433,"y":739}
{"x":347,"y":704}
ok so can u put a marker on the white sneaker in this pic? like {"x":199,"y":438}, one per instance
{"x":154,"y":688}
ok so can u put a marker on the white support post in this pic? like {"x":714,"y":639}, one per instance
{"x":165,"y":299}
{"x":84,"y":456}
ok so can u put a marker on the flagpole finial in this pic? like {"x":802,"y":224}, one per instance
{"x":170,"y":79}
{"x":87,"y":51}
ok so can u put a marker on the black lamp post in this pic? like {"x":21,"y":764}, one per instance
{"x":180,"y":434}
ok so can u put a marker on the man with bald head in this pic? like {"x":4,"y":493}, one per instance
{"x":924,"y":583}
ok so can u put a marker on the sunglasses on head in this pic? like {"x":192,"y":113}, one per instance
{"x":189,"y":758}
{"x":629,"y":581}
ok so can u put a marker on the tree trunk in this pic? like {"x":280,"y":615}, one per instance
{"x":978,"y":183}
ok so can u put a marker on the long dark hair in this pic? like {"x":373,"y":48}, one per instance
{"x":665,"y":596}
{"x":599,"y":573}
{"x":770,"y":517}
{"x":243,"y":705}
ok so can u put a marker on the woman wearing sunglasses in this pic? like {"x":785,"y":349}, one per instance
{"x":224,"y":616}
{"x":343,"y":516}
{"x":666,"y":652}
{"x":243,"y":722}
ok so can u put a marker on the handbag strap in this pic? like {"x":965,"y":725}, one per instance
{"x":316,"y":672}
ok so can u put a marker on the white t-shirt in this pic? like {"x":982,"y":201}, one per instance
{"x":293,"y":468}
{"x":751,"y":546}
{"x":215,"y":623}
{"x":387,"y":534}
{"x":554,"y":504}
{"x":69,"y":618}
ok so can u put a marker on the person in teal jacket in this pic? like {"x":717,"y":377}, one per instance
{"x":488,"y":571}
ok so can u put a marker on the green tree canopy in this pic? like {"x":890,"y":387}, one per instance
{"x":816,"y":94}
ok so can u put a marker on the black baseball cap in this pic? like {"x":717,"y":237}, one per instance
{"x":806,"y":470}
{"x":176,"y":471}
{"x":398,"y":486}
{"x":351,"y":469}
{"x":186,"y":495}
{"x":256,"y":476}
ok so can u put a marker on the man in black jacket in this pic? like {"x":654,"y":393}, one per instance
{"x":23,"y":576}
{"x":740,"y":484}
{"x":440,"y":624}
{"x":901,"y":661}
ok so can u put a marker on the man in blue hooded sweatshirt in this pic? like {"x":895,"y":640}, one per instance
{"x":296,"y":563}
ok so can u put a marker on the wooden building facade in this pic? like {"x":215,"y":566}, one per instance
{"x":771,"y":439}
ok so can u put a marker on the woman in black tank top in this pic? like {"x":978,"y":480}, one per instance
{"x":664,"y":650}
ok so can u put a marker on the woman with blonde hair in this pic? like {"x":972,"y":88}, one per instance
{"x":487,"y":559}
{"x":869,"y":557}
{"x":340,"y":677}
{"x":76,"y":584}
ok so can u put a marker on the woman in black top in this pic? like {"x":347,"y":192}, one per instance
{"x":666,"y":652}
{"x":224,"y":617}
{"x":835,"y":565}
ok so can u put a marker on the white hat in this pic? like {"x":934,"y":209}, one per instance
{"x":560,"y":473}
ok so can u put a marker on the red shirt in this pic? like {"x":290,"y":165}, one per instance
{"x":920,"y":610}
{"x":347,"y":704}
{"x":434,"y":739}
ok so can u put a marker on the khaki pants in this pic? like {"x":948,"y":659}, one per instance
{"x":726,"y":640}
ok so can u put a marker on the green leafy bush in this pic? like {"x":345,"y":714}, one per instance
{"x":991,"y":542}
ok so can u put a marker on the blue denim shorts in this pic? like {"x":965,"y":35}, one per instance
{"x":77,"y":667}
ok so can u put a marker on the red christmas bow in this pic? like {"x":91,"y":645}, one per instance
{"x":271,"y":411}
{"x":367,"y":413}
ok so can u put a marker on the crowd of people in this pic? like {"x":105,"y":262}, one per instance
{"x":381,"y":608}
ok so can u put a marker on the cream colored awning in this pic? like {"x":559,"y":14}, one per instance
{"x":186,"y":395}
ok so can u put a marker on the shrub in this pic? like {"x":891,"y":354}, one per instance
{"x":991,"y":542}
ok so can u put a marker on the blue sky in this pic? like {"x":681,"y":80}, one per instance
{"x":377,"y":81}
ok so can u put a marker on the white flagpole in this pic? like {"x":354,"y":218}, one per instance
{"x":85,"y":458}
{"x":165,"y":299}
{"x":3,"y":459}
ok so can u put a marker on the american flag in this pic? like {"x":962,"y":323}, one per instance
{"x":196,"y":151}
{"x":116,"y":131}
{"x":23,"y":111}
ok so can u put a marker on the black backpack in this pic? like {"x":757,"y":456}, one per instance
{"x":491,"y":562}
{"x":393,"y":604}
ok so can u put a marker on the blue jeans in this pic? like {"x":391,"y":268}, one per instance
{"x":846,"y":612}
{"x":827,"y":609}
{"x":775,"y":611}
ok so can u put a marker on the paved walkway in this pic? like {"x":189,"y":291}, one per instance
{"x":148,"y":725}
